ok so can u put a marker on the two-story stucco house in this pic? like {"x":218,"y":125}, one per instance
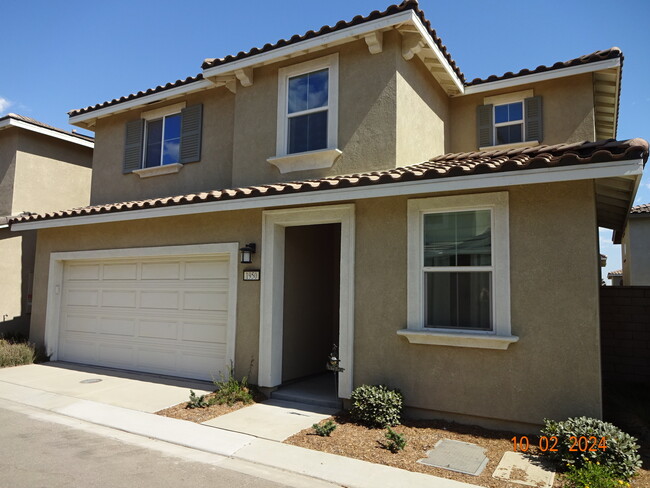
{"x":412,"y":217}
{"x":42,"y":169}
{"x":635,"y":249}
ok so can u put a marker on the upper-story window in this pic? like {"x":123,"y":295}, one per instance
{"x":509,"y":123}
{"x":510,"y":119}
{"x":163,"y":140}
{"x":307,"y":115}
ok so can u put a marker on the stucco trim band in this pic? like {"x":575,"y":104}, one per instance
{"x":480,"y":341}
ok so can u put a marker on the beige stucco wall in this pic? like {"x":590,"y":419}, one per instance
{"x":636,"y":260}
{"x":423,"y":119}
{"x":568,"y":109}
{"x":554,"y":369}
{"x":213,"y":172}
{"x":17,"y":250}
{"x":8,"y":143}
{"x":50,"y":174}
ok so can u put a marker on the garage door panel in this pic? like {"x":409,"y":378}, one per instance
{"x":127,"y":272}
{"x":166,"y":316}
{"x":158,"y":329}
{"x":82,"y":272}
{"x":206,"y":270}
{"x":161,"y":271}
{"x":204,"y":332}
{"x":81,"y":323}
{"x":119,"y":299}
{"x":205,"y":300}
{"x":120,"y":326}
{"x":159,"y":299}
{"x":82,"y":298}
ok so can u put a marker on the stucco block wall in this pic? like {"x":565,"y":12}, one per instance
{"x":554,"y":369}
{"x":8,"y":144}
{"x":50,"y":174}
{"x":213,"y":172}
{"x":568,"y":108}
{"x":239,"y":226}
{"x":636,"y":254}
{"x":17,"y":263}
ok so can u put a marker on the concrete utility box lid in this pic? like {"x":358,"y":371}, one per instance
{"x":458,"y":456}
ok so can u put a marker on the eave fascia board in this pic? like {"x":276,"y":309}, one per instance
{"x":473,"y":182}
{"x":83,"y":119}
{"x":546,"y":75}
{"x":10,"y":122}
{"x":354,"y":32}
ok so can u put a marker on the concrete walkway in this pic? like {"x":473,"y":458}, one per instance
{"x":23,"y":385}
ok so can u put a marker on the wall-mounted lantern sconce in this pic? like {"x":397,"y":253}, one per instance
{"x":247,"y":253}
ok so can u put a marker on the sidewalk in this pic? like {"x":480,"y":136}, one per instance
{"x":323,"y":466}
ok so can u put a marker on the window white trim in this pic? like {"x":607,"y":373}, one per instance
{"x":274,"y":223}
{"x":161,"y":112}
{"x":163,"y":169}
{"x":508,"y":97}
{"x":500,"y":334}
{"x":330,"y":62}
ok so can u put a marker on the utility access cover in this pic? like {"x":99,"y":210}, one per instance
{"x":458,"y":456}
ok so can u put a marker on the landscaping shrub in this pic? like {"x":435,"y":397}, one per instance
{"x":324,"y":430}
{"x":592,"y":475}
{"x":16,"y":353}
{"x":396,"y":442}
{"x":230,"y":390}
{"x":196,"y":401}
{"x":376,"y":406}
{"x":620,"y":453}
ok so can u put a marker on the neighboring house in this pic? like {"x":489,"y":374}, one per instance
{"x":413,"y":217}
{"x":42,"y":169}
{"x":616,"y":277}
{"x":635,"y":247}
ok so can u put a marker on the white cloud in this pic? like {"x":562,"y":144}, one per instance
{"x":4,"y":105}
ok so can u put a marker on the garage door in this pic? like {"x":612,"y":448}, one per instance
{"x":157,"y":315}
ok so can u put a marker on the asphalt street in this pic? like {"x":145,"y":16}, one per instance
{"x":43,"y":449}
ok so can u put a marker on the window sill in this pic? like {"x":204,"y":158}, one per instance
{"x":465,"y":339}
{"x":166,"y":169}
{"x":515,"y":145}
{"x":320,"y":159}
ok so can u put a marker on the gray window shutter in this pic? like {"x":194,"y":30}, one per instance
{"x":191,"y":122}
{"x":534,"y":126}
{"x":133,"y":146}
{"x":484,"y":125}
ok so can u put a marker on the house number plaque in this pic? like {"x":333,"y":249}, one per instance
{"x":252,"y":275}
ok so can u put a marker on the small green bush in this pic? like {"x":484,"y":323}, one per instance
{"x":593,"y":475}
{"x":16,"y":353}
{"x":620,"y":455}
{"x":197,"y":401}
{"x":230,"y":390}
{"x":324,"y":430}
{"x":376,"y":406}
{"x":396,"y":442}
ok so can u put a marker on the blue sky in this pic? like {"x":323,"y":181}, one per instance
{"x":59,"y":56}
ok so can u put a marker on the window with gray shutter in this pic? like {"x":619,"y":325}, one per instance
{"x":534,"y":126}
{"x":191,"y":123}
{"x":484,"y":125}
{"x":133,"y":146}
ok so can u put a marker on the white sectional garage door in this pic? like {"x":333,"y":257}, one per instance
{"x":158,"y":315}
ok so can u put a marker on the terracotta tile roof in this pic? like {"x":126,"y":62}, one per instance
{"x":616,"y":272}
{"x":611,"y":53}
{"x":641,"y":209}
{"x":445,"y":166}
{"x":29,"y":120}
{"x":342,"y":24}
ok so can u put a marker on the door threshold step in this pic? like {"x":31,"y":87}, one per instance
{"x":306,"y":399}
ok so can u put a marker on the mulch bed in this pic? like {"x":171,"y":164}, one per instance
{"x":200,"y":415}
{"x":359,"y":442}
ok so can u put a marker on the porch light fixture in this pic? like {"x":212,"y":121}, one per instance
{"x":247,"y":253}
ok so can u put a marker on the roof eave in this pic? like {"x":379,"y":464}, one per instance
{"x":11,"y":122}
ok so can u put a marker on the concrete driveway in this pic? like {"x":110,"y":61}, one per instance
{"x":135,"y":391}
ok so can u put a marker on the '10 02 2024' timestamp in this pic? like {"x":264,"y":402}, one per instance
{"x":545,"y":443}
